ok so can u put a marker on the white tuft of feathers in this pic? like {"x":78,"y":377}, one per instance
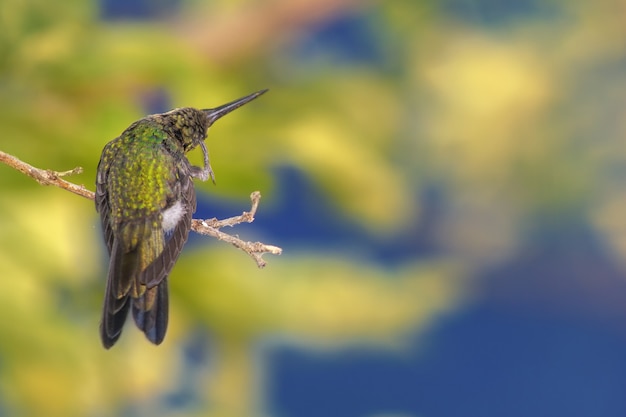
{"x":172,"y":215}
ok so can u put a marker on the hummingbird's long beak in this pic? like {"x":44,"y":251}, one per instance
{"x":214,"y":114}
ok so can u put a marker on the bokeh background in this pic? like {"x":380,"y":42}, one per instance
{"x":447,"y":180}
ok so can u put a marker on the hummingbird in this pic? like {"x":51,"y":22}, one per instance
{"x":146,"y":199}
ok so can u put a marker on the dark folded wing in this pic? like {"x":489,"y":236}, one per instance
{"x":115,"y":308}
{"x":174,"y":240}
{"x":102,"y":198}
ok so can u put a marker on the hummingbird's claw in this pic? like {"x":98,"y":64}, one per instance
{"x":204,"y":173}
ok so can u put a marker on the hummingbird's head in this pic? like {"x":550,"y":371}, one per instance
{"x":190,"y":125}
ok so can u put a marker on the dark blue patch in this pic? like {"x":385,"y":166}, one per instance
{"x":137,"y":9}
{"x":157,"y":101}
{"x":346,"y":39}
{"x":486,"y":363}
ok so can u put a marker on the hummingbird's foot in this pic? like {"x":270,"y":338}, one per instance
{"x":203,"y":173}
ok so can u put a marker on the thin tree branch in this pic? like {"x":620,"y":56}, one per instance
{"x":256,"y":250}
{"x":208,"y":227}
{"x":48,"y":177}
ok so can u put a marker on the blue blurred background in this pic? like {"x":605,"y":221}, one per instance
{"x":447,"y":180}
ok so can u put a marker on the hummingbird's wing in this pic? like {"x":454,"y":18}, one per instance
{"x":175,"y":239}
{"x":117,"y":299}
{"x":150,"y":310}
{"x":115,"y":310}
{"x":102,"y":201}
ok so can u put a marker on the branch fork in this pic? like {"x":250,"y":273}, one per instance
{"x":210,"y":227}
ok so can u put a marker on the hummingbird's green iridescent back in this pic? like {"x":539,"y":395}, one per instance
{"x":140,"y":166}
{"x":146,"y":199}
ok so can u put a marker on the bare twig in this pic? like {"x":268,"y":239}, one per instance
{"x":256,"y":250}
{"x":46,"y":176}
{"x":208,"y":227}
{"x":246,"y":216}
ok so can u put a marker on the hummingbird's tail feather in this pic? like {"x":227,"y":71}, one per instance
{"x":112,"y":323}
{"x":150,"y":312}
{"x":116,"y":299}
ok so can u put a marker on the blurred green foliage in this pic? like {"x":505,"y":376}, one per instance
{"x":514,"y":121}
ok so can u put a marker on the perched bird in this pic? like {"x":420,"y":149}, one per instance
{"x":145,"y":198}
